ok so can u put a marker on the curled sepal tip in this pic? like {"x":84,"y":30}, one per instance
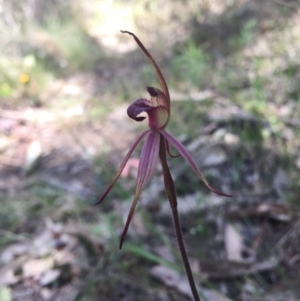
{"x":158,"y":72}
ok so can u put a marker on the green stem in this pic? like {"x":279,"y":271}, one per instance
{"x":171,"y":193}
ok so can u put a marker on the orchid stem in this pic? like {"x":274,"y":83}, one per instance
{"x":171,"y":193}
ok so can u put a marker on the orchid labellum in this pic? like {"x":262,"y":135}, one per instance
{"x":156,"y":146}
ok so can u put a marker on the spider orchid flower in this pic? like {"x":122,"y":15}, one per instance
{"x":158,"y":110}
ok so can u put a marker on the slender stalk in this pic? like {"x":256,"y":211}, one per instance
{"x":171,"y":193}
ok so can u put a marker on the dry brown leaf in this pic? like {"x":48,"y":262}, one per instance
{"x":214,"y":156}
{"x":164,"y":252}
{"x":8,"y":276}
{"x":172,"y":278}
{"x":226,"y":270}
{"x":33,"y":153}
{"x":13,"y":251}
{"x":233,"y":243}
{"x":49,"y":277}
{"x":36,"y":267}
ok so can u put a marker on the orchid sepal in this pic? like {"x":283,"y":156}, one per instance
{"x":161,"y":79}
{"x":147,"y":165}
{"x":185,"y":154}
{"x":122,"y":166}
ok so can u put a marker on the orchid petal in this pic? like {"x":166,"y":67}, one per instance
{"x":158,"y":98}
{"x":158,"y":72}
{"x":139,"y":106}
{"x":147,"y":165}
{"x":181,"y":149}
{"x":122,"y":166}
{"x":158,"y":115}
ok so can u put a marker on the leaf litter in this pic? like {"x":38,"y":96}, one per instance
{"x":256,"y":235}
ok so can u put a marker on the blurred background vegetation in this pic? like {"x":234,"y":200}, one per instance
{"x":67,"y":76}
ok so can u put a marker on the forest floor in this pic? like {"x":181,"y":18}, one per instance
{"x":65,"y":85}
